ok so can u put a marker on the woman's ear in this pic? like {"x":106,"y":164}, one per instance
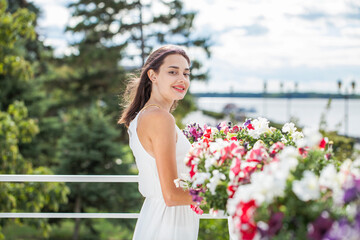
{"x":152,"y":75}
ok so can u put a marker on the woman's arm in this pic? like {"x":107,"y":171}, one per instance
{"x":159,"y":127}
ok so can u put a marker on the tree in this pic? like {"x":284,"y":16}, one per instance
{"x":16,"y":128}
{"x":89,"y":147}
{"x":15,"y":71}
{"x":116,"y":32}
{"x":20,"y":41}
{"x":139,"y":26}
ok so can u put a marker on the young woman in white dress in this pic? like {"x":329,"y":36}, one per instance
{"x":160,"y":147}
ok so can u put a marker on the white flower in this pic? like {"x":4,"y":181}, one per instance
{"x":307,"y":188}
{"x":297,"y":136}
{"x":177,"y":182}
{"x":288,"y":127}
{"x":214,"y":181}
{"x":210,"y":161}
{"x":268,"y":184}
{"x":312,"y":137}
{"x":243,"y":193}
{"x":261,"y":125}
{"x":283,"y":140}
{"x":200,"y":178}
{"x":263,"y":187}
{"x":328,"y":178}
{"x":288,"y":158}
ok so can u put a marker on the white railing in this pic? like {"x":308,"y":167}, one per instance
{"x":76,"y":178}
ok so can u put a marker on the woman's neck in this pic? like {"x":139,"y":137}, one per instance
{"x":162,"y":104}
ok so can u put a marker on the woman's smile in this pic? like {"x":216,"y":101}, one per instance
{"x":179,"y":88}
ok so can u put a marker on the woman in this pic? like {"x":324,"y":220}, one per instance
{"x":160,"y":147}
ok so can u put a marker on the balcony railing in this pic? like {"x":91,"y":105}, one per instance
{"x":81,"y":179}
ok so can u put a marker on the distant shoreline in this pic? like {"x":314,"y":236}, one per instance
{"x":279,"y":95}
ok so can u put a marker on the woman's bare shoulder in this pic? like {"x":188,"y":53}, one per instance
{"x":155,"y":119}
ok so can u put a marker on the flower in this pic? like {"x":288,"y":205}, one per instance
{"x":214,"y":181}
{"x":270,"y":229}
{"x":177,"y":182}
{"x":200,"y":178}
{"x":258,"y":127}
{"x":195,"y":195}
{"x":312,"y":138}
{"x":197,"y":209}
{"x":328,"y":178}
{"x":352,"y":192}
{"x":343,"y":229}
{"x":308,"y":187}
{"x":318,"y":229}
{"x":288,"y":128}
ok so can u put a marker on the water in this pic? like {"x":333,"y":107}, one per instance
{"x":307,"y":111}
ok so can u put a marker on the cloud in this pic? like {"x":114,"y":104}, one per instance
{"x":311,"y":42}
{"x":256,"y":30}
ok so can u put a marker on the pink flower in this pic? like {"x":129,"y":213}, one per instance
{"x":235,"y":129}
{"x":197,"y":209}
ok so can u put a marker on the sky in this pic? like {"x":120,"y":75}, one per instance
{"x":309,"y":43}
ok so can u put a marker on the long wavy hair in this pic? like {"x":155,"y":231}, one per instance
{"x":138,"y":90}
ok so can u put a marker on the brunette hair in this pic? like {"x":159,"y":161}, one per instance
{"x":138,"y":90}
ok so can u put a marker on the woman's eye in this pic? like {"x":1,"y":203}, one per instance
{"x":172,"y":72}
{"x":187,"y":74}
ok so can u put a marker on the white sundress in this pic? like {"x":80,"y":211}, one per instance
{"x":158,"y":221}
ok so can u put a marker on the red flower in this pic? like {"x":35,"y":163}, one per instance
{"x":206,"y":140}
{"x":250,"y":127}
{"x":322,"y":143}
{"x":231,"y":190}
{"x":236,"y":169}
{"x":257,"y":155}
{"x":192,"y":172}
{"x":233,"y":138}
{"x":208,"y":133}
{"x":247,"y":226}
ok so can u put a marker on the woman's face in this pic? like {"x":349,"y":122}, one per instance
{"x":172,"y":81}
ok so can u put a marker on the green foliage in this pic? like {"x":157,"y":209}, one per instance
{"x":121,"y":26}
{"x":15,"y":71}
{"x":15,"y":128}
{"x":88,"y":146}
{"x":213,"y":229}
{"x":343,"y":147}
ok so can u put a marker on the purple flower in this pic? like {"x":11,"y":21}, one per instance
{"x":195,"y":194}
{"x":275,"y":223}
{"x":341,"y":230}
{"x":196,"y":132}
{"x":353,"y":192}
{"x":247,"y":123}
{"x":318,"y":229}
